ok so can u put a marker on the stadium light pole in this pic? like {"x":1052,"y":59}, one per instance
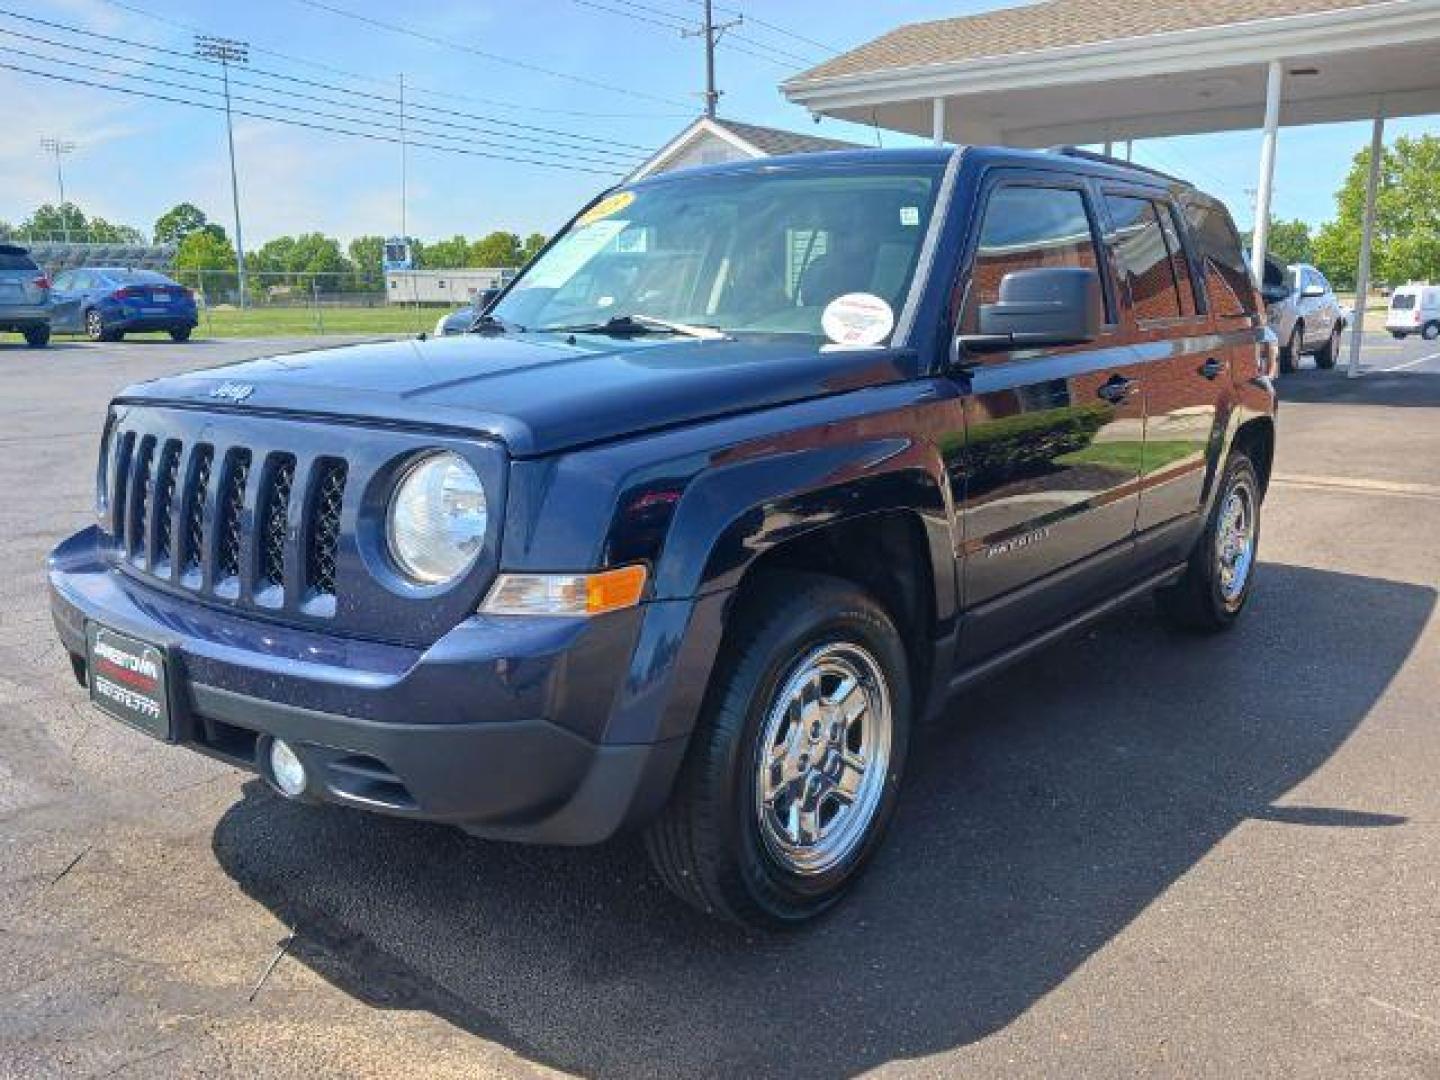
{"x":226,"y":51}
{"x":60,"y":147}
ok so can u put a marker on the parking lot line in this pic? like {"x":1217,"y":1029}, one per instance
{"x":1374,"y":487}
{"x":1412,"y":363}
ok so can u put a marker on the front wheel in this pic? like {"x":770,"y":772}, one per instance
{"x":1290,"y":354}
{"x":1431,"y":331}
{"x":37,"y":337}
{"x":793,"y":771}
{"x":1330,"y":352}
{"x":1216,"y":584}
{"x":95,"y":327}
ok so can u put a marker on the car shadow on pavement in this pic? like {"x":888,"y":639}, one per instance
{"x":1067,"y":795}
{"x":1402,"y":388}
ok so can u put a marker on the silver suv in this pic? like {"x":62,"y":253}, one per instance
{"x":24,"y":296}
{"x":1303,"y":313}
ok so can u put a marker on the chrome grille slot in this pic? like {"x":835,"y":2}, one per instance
{"x":231,"y":520}
{"x":137,"y":523}
{"x":324,"y":537}
{"x":274,"y":520}
{"x":195,"y":509}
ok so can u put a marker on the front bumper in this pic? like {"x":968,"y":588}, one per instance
{"x":484,"y":729}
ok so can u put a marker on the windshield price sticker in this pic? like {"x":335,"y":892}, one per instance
{"x":611,"y":204}
{"x":857,"y":319}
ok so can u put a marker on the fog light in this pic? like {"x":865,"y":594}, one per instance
{"x":285,"y":769}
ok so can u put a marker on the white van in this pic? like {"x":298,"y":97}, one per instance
{"x":1414,"y":309}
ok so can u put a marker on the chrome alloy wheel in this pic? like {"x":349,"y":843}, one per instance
{"x":823,"y":755}
{"x":1235,"y":540}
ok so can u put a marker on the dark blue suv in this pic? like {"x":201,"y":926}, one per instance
{"x":747,"y":472}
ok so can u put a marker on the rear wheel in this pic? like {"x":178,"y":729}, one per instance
{"x":1290,"y":354}
{"x":793,"y":770}
{"x":180,"y":333}
{"x":37,"y":337}
{"x":1325,"y":358}
{"x":1397,"y":335}
{"x":1212,"y":592}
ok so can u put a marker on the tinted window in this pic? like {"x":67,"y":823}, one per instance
{"x":14,"y":260}
{"x":1144,"y":258}
{"x":1190,"y":301}
{"x":1025,"y":228}
{"x":1403,"y":301}
{"x":1228,"y":285}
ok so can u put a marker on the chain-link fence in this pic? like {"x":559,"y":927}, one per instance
{"x":278,"y":303}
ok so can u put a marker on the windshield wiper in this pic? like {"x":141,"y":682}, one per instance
{"x":641,"y":324}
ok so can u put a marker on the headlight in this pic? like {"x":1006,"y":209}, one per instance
{"x":437,"y":519}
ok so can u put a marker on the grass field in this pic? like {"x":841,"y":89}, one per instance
{"x":297,"y":321}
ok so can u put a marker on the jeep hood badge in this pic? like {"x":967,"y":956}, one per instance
{"x":233,"y":391}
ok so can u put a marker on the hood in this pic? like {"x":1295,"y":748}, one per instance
{"x":538,"y":393}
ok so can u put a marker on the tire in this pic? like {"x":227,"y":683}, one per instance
{"x":1205,"y":599}
{"x":95,"y":327}
{"x":180,"y":333}
{"x":1431,"y":331}
{"x":1330,"y":351}
{"x":1397,"y":335}
{"x":1290,"y":354}
{"x":720,"y":843}
{"x":37,"y":337}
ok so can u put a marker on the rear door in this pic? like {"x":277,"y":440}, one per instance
{"x":1053,"y":436}
{"x":64,"y":303}
{"x":1186,"y":368}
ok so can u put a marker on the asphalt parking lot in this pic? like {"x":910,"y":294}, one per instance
{"x":1136,"y":854}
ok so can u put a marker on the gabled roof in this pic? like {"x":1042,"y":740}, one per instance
{"x":1054,"y":24}
{"x":753,"y":140}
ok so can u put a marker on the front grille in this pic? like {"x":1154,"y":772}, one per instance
{"x":194,"y":514}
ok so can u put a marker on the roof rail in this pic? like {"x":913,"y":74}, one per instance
{"x":1107,"y":159}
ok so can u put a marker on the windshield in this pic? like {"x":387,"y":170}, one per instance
{"x":762,"y":252}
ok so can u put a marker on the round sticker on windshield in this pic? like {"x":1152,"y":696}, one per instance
{"x":611,"y":204}
{"x":857,"y":318}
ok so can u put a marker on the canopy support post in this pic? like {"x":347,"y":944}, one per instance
{"x":1273,"y":74}
{"x":937,"y":120}
{"x":1367,"y":236}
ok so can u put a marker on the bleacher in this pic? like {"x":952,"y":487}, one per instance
{"x":56,"y":255}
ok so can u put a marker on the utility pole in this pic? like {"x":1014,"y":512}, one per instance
{"x":226,"y":51}
{"x":404,"y":167}
{"x":711,"y":31}
{"x":60,"y":147}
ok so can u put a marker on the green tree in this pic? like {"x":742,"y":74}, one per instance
{"x":1407,"y":216}
{"x":50,"y":221}
{"x":497,"y":249}
{"x":533,"y":243}
{"x":367,"y":253}
{"x":206,"y":263}
{"x":100,"y":231}
{"x":181,"y":220}
{"x":1289,"y":242}
{"x":449,"y":254}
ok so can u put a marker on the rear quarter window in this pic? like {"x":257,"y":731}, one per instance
{"x":1228,"y":285}
{"x":17,"y":261}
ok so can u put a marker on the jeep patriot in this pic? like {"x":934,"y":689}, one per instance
{"x":747,"y":472}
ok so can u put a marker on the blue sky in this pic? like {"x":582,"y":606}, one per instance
{"x":626,"y":81}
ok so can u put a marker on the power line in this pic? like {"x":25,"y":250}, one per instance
{"x":388,"y":100}
{"x":53,"y":76}
{"x":525,"y":65}
{"x":450,"y":127}
{"x":752,"y":20}
{"x":671,"y":20}
{"x":377,"y":81}
{"x":624,"y":163}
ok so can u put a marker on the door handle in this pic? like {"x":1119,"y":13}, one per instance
{"x":1212,"y":368}
{"x":1117,"y":388}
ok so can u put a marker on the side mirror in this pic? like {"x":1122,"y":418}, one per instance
{"x":1274,"y":294}
{"x":1312,"y":291}
{"x":484,"y":298}
{"x":1045,"y":306}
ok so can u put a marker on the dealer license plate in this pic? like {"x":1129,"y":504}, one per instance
{"x":127,"y":680}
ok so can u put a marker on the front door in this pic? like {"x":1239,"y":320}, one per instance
{"x":1053,"y":436}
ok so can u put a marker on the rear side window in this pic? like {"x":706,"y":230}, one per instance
{"x":1025,"y":228}
{"x":140,"y":277}
{"x":1148,"y":258}
{"x":1228,"y":285}
{"x":18,"y":260}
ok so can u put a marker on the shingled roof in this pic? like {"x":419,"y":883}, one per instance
{"x":1054,"y":24}
{"x":774,"y":141}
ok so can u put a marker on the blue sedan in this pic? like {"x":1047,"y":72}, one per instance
{"x":106,"y":303}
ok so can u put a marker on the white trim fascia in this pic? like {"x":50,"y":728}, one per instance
{"x":674,"y":146}
{"x":1395,"y":22}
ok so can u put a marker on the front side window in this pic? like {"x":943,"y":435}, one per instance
{"x":745,"y":252}
{"x":1026,"y":228}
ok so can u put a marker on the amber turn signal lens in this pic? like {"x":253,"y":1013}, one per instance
{"x":566,"y":594}
{"x":614,"y":589}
